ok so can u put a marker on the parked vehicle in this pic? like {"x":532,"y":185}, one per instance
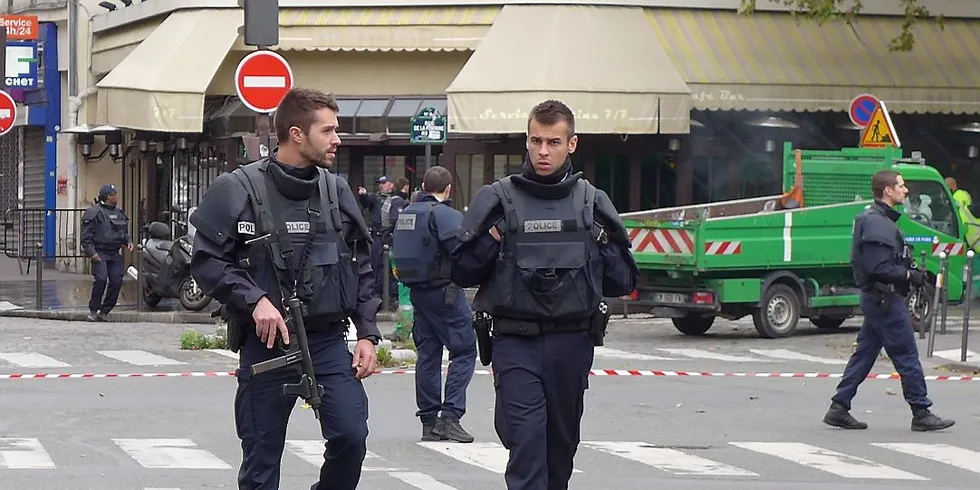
{"x":165,"y":265}
{"x":784,"y":257}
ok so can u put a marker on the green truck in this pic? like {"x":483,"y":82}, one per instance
{"x":785,"y":257}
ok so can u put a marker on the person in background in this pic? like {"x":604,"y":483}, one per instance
{"x":105,"y":229}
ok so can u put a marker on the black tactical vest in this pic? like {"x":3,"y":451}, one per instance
{"x":419,"y":259}
{"x":328,"y":286}
{"x":111,"y":232}
{"x":549,"y":266}
{"x":862,"y":278}
{"x":386,"y":213}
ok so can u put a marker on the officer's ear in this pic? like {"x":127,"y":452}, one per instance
{"x":296,"y":135}
{"x":572,"y":143}
{"x":449,"y":189}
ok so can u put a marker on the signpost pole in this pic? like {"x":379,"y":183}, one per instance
{"x":261,"y":29}
{"x":428,"y":128}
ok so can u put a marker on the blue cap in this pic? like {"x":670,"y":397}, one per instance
{"x":382,"y":179}
{"x":106,"y":191}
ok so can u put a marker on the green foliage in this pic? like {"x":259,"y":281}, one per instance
{"x":384,"y":357}
{"x":832,"y":10}
{"x":194,"y":340}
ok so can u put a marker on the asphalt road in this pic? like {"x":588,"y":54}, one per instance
{"x":655,"y":431}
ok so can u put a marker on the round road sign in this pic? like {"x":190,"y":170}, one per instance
{"x":861,"y":109}
{"x":262,"y":79}
{"x":8,"y":112}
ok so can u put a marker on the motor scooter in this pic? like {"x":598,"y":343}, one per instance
{"x":165,"y":265}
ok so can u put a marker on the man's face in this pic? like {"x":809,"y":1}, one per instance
{"x":112,"y":199}
{"x":549,"y":146}
{"x":897,"y":192}
{"x":320,"y":146}
{"x":387,"y":186}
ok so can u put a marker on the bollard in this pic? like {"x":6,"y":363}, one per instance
{"x":38,"y":276}
{"x":940,"y":280}
{"x":385,"y":291}
{"x":968,"y":299}
{"x":139,"y":277}
{"x":922,"y":323}
{"x":945,"y":297}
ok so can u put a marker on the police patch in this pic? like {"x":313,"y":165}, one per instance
{"x":542,"y":226}
{"x":297,"y":227}
{"x":405,"y":222}
{"x":246,"y":228}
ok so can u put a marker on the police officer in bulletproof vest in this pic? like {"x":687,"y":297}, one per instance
{"x":383,"y":210}
{"x":883,"y":271}
{"x":544,"y":246}
{"x":424,"y":234}
{"x":105,"y":229}
{"x":281,"y":223}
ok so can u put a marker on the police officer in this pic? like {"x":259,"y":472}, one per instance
{"x":882,"y":270}
{"x":383,"y":210}
{"x":424,"y":234}
{"x":544,"y":246}
{"x":272,"y":225}
{"x":105,"y":229}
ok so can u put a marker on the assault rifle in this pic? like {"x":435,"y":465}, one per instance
{"x":298,"y":352}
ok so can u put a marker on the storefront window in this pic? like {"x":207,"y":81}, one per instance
{"x":348,"y":107}
{"x":659,"y":176}
{"x":929,"y":204}
{"x":504,"y":165}
{"x":711,"y":176}
{"x":468,"y":179}
{"x":758,"y":176}
{"x":370,"y":116}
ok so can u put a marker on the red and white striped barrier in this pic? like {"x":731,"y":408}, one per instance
{"x":949,"y":248}
{"x":594,"y":372}
{"x":662,"y":241}
{"x":727,"y":247}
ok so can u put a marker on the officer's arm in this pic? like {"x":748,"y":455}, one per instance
{"x":358,"y":237}
{"x":368,"y":201}
{"x":445,"y":226}
{"x":89,"y":220}
{"x":620,"y":273}
{"x":212,"y":260}
{"x":876,"y":258}
{"x":397,"y":204}
{"x":472,"y":261}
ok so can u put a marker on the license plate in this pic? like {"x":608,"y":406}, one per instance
{"x":670,"y":298}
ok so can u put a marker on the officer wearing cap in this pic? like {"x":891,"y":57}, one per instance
{"x":882,"y":271}
{"x":544,"y":246}
{"x":424,"y":234}
{"x":105,"y":229}
{"x":383,"y":210}
{"x":280,"y":226}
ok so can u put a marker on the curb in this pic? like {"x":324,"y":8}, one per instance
{"x":176,"y":317}
{"x":959,"y":367}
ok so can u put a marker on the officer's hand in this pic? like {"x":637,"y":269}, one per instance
{"x":361,"y":191}
{"x":267,"y":321}
{"x":917,"y":278}
{"x":96,"y":258}
{"x":495,"y":233}
{"x":365,"y":357}
{"x":130,"y":247}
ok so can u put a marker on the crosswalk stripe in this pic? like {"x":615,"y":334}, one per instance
{"x":666,"y":459}
{"x":31,"y":360}
{"x":19,"y":453}
{"x":822,"y":459}
{"x":704,"y":354}
{"x":223,"y":352}
{"x":139,"y":357}
{"x":420,"y":480}
{"x":160,"y":488}
{"x":796,"y":356}
{"x":312,"y":450}
{"x":621,"y":354}
{"x":487,"y":455}
{"x":944,"y":453}
{"x":171,"y":454}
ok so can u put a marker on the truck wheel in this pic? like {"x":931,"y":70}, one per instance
{"x":920,"y":306}
{"x":779,"y":313}
{"x":693,"y":324}
{"x":828,"y":322}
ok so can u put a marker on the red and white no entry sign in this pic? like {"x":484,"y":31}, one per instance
{"x":8,"y":112}
{"x":262,"y":79}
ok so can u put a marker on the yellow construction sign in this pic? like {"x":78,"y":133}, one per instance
{"x":880,"y":132}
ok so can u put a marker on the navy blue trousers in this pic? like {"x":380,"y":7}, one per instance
{"x":540,"y":385}
{"x":108,"y":271}
{"x":885,"y":326}
{"x":262,"y":413}
{"x":442,"y":321}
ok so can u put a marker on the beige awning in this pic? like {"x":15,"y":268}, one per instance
{"x":160,"y":85}
{"x":383,"y":28}
{"x":109,"y":49}
{"x":768,"y":61}
{"x":606,"y":63}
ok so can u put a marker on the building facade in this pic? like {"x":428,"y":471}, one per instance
{"x":677,"y":102}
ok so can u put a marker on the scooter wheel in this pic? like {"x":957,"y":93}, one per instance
{"x":191,"y":299}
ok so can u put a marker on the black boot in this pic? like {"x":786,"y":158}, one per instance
{"x":449,"y":428}
{"x":429,"y":425}
{"x":923,"y":420}
{"x":838,"y":416}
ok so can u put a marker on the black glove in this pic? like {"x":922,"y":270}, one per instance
{"x":917,"y":277}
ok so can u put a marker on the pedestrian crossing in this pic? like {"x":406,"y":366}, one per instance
{"x":449,"y":466}
{"x":605,"y":357}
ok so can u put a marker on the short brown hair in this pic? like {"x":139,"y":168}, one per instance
{"x":551,"y":112}
{"x":298,"y":108}
{"x":436,"y":179}
{"x":881,"y":180}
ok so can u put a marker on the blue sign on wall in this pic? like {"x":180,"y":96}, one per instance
{"x":22,"y":62}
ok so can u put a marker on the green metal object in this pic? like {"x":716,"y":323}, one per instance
{"x":725,"y":258}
